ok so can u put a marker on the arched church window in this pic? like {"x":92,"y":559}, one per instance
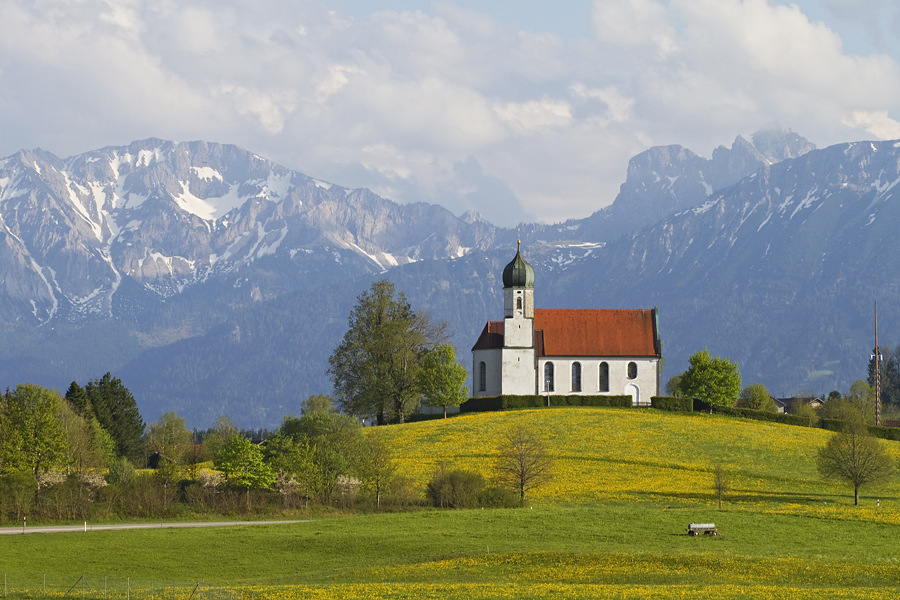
{"x":604,"y":377}
{"x":632,"y":370}
{"x":482,"y":377}
{"x":548,"y":377}
{"x":519,"y":303}
{"x":576,"y":377}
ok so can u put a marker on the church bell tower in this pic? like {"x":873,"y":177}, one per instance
{"x":518,"y":370}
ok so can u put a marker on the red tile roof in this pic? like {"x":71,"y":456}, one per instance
{"x":597,"y":332}
{"x":585,"y":332}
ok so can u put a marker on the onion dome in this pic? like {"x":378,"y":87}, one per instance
{"x":518,"y":273}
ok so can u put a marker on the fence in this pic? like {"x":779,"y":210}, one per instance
{"x":102,"y":587}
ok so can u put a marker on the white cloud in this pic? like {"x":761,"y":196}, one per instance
{"x":440,"y":104}
{"x":878,"y":123}
{"x":534,"y":114}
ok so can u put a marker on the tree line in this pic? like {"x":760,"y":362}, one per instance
{"x":59,"y":462}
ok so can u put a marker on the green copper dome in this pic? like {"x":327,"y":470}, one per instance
{"x":518,"y":273}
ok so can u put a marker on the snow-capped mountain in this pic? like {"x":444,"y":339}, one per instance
{"x":780,"y":271}
{"x":213,"y":281}
{"x":666,"y":179}
{"x":165,"y":216}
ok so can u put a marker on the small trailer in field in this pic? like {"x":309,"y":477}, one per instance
{"x":705,"y":528}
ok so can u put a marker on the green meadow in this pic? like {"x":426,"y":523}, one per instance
{"x":612,"y":524}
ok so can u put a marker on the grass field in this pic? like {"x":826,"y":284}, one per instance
{"x":611,"y":525}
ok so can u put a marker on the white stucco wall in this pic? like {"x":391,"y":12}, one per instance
{"x":518,"y":371}
{"x":493,"y":362}
{"x":645,"y":382}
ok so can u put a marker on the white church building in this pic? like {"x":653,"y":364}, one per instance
{"x":549,"y":351}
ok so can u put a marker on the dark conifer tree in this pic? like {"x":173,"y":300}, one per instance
{"x":116,"y":410}
{"x":78,"y":399}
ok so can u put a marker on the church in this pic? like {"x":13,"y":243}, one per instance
{"x":551,"y":351}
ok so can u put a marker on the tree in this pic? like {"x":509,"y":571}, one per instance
{"x":377,"y":467}
{"x":716,"y":381}
{"x":338,"y":445}
{"x":221,"y":433}
{"x":293,"y":461}
{"x":116,"y":410}
{"x":32,"y":411}
{"x":856,"y":457}
{"x":88,"y":445}
{"x":721,"y":482}
{"x":375,"y":369}
{"x":443,"y":379}
{"x":862,"y":397}
{"x":808,"y":412}
{"x":756,"y":397}
{"x":522,"y":460}
{"x":241,"y":461}
{"x":169,"y":436}
{"x":318,"y":403}
{"x":672,"y":386}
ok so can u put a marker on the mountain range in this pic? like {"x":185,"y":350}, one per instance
{"x":213,"y":281}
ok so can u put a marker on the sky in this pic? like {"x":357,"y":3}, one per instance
{"x":521,"y":110}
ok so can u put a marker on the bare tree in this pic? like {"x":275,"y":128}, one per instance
{"x":856,"y":457}
{"x":721,"y":482}
{"x":522,"y":460}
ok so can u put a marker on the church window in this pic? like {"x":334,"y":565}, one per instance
{"x":482,"y":377}
{"x":604,"y":377}
{"x":576,"y":377}
{"x":519,"y":303}
{"x":632,"y":370}
{"x":548,"y":377}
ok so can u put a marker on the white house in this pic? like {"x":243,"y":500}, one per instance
{"x":565,"y":351}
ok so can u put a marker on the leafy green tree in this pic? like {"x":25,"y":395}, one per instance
{"x":443,"y":379}
{"x":318,"y":403}
{"x":32,"y":411}
{"x":88,"y":445}
{"x":376,"y":368}
{"x":522,"y":462}
{"x":293,"y":461}
{"x":862,"y":397}
{"x":242,"y":464}
{"x":756,"y":397}
{"x":337,"y":443}
{"x":116,"y":410}
{"x":169,"y":436}
{"x":808,"y":412}
{"x":716,"y":381}
{"x":377,"y":466}
{"x":856,"y":457}
{"x":222,"y":433}
{"x":12,"y":459}
{"x":672,"y":384}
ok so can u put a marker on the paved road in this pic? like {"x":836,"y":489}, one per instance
{"x":89,"y":527}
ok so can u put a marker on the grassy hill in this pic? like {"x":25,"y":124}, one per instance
{"x":611,"y":525}
{"x":611,"y":455}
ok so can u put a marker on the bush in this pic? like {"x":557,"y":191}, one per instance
{"x":612,"y":401}
{"x":454,"y":489}
{"x":747,"y":413}
{"x":490,"y":403}
{"x":885,"y":433}
{"x":672,"y":403}
{"x":482,"y":404}
{"x":498,"y":497}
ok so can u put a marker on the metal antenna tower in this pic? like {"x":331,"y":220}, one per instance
{"x":877,"y":358}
